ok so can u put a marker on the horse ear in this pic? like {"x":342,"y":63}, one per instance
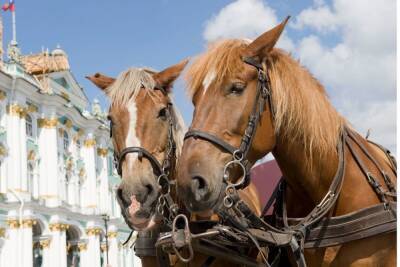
{"x":166,"y":78}
{"x":266,"y":41}
{"x":101,"y":81}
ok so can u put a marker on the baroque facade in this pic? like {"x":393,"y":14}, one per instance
{"x":57,"y":179}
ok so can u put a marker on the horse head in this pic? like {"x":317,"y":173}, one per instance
{"x":142,"y":123}
{"x":223,"y":88}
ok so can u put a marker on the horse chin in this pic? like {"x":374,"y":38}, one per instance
{"x":141,"y":218}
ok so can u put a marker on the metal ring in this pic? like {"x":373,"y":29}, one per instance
{"x":226,"y":175}
{"x":238,"y":155}
{"x":228,"y":202}
{"x":163,"y":178}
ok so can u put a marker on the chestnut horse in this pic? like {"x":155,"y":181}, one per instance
{"x":300,"y":127}
{"x":140,"y":113}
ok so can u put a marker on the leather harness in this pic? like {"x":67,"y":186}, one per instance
{"x":241,"y":227}
{"x":318,"y":228}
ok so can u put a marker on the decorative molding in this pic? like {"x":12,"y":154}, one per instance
{"x":2,"y":232}
{"x":14,"y":223}
{"x":32,"y":108}
{"x":3,"y":95}
{"x":58,"y":227}
{"x":45,"y":243}
{"x":103,"y":247}
{"x":89,"y":143}
{"x":65,"y":96}
{"x":28,"y":223}
{"x":82,"y":246}
{"x":80,"y":132}
{"x":47,"y":123}
{"x":93,"y":231}
{"x":16,"y":110}
{"x":68,"y":123}
{"x":61,"y":131}
{"x":112,"y":234}
{"x":31,"y":155}
{"x":48,"y":196}
{"x":102,"y":152}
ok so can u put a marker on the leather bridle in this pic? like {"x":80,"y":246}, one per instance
{"x":158,"y":168}
{"x":239,"y":154}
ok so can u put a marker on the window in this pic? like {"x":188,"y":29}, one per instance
{"x":66,"y":141}
{"x":29,"y":126}
{"x":30,"y":178}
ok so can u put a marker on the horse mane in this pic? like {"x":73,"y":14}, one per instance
{"x":303,"y":112}
{"x":128,"y":85}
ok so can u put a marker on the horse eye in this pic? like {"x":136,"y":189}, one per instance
{"x":162,"y":113}
{"x":237,"y":89}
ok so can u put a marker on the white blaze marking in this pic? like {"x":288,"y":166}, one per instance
{"x":208,"y":80}
{"x":131,"y":138}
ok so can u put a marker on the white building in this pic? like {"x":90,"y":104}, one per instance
{"x":56,"y":170}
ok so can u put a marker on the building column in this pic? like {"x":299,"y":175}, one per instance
{"x":13,"y":256}
{"x":58,"y":245}
{"x":45,"y":246}
{"x":48,"y":168}
{"x":84,"y":257}
{"x":23,"y":151}
{"x":14,"y":151}
{"x":27,"y":242}
{"x":113,"y":249}
{"x":89,"y":196}
{"x":102,"y":152}
{"x":93,"y":246}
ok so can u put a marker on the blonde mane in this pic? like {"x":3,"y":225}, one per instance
{"x":303,"y":113}
{"x":128,"y":85}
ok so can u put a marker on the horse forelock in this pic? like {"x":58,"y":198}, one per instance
{"x":221,"y":59}
{"x":128,"y":85}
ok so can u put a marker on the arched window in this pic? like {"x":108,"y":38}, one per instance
{"x":29,"y":126}
{"x":66,"y":141}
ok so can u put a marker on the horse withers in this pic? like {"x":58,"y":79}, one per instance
{"x":307,"y":136}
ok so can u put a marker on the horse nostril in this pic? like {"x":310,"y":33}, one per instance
{"x":199,"y":187}
{"x":149,"y":188}
{"x":120,"y":196}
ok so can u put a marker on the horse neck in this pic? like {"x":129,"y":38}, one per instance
{"x":308,"y":128}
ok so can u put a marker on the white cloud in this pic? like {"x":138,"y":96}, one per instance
{"x":358,"y":70}
{"x":244,"y":19}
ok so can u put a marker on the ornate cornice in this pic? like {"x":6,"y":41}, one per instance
{"x":102,"y":152}
{"x":93,"y":231}
{"x":65,"y":96}
{"x":58,"y":227}
{"x":89,"y":143}
{"x":47,"y":123}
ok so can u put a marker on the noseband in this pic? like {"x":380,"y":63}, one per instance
{"x":263,"y":96}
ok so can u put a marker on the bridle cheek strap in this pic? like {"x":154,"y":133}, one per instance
{"x":263,"y":96}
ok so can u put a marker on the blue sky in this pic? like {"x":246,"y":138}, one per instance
{"x":335,"y":39}
{"x":110,"y":36}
